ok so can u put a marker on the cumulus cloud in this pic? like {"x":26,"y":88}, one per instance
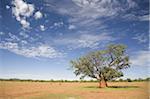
{"x":42,"y":27}
{"x":38,"y":15}
{"x":141,"y":58}
{"x":23,"y":10}
{"x":24,"y":23}
{"x":43,"y":50}
{"x":7,"y":7}
{"x":86,"y":40}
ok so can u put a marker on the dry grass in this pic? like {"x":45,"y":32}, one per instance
{"x":76,"y":90}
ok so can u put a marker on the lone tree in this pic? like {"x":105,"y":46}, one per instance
{"x":103,"y":65}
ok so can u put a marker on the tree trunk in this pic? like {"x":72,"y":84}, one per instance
{"x":102,"y":84}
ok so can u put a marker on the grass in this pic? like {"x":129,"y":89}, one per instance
{"x":38,"y":90}
{"x":95,"y":88}
{"x":54,"y":96}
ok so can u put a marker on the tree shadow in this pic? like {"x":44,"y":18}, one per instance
{"x":123,"y":86}
{"x":112,"y":87}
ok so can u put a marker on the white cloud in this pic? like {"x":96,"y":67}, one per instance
{"x":24,"y":35}
{"x":86,"y":40}
{"x":95,"y":8}
{"x":13,"y":37}
{"x":21,"y":10}
{"x":101,"y":8}
{"x":131,"y":4}
{"x":44,"y":51}
{"x":71,"y":27}
{"x":144,"y":18}
{"x":141,"y":58}
{"x":23,"y":42}
{"x":57,"y":25}
{"x":92,"y":13}
{"x":2,"y":33}
{"x":141,"y":38}
{"x":42,"y":27}
{"x":24,"y":23}
{"x":7,"y":7}
{"x":38,"y":15}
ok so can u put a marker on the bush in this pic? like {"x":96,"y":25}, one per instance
{"x":129,"y":80}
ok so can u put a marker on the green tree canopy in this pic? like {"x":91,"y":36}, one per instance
{"x":103,"y":65}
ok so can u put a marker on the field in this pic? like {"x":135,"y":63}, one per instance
{"x":74,"y":90}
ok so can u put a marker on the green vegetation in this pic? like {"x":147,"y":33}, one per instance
{"x":133,"y":80}
{"x":103,"y":65}
{"x":120,"y":80}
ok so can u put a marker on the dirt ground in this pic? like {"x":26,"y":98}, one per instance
{"x":75,"y":90}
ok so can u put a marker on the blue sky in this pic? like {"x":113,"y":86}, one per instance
{"x":40,"y":37}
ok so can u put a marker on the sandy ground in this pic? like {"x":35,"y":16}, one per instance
{"x":76,"y":90}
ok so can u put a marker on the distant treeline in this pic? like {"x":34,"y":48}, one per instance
{"x":132,"y":80}
{"x":119,"y":80}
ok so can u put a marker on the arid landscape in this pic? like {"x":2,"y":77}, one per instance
{"x":72,"y":90}
{"x":74,"y":49}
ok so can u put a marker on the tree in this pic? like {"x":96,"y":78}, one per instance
{"x":120,"y":80}
{"x":103,"y":65}
{"x":129,"y":80}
